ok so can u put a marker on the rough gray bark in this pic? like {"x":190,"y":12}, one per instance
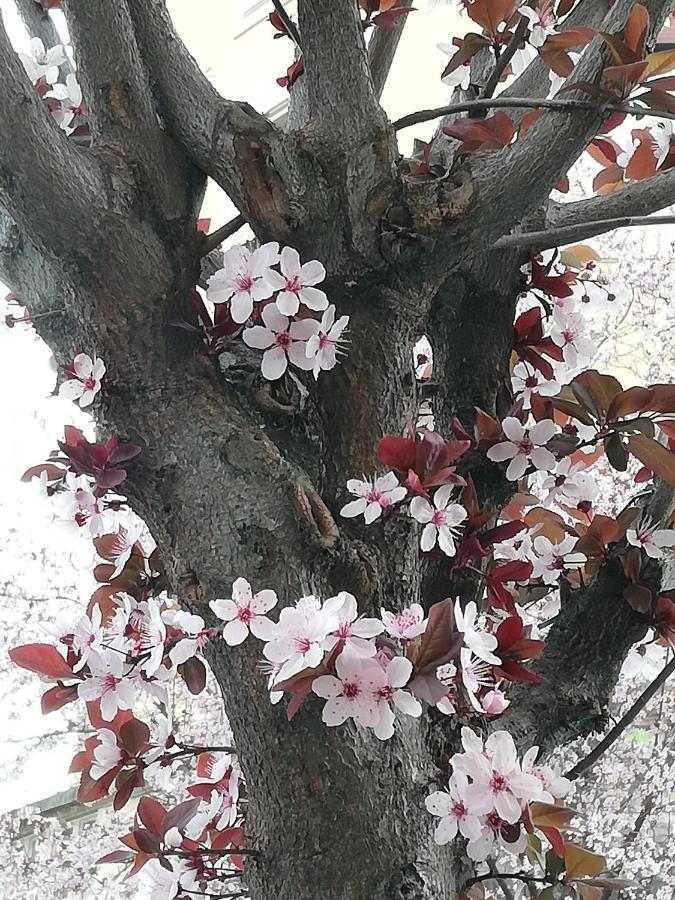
{"x":229,"y":482}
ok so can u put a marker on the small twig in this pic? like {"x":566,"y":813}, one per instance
{"x":584,"y":764}
{"x":505,"y":58}
{"x":516,"y":876}
{"x":426,"y":115}
{"x":289,"y":24}
{"x":216,"y":238}
{"x":555,"y":237}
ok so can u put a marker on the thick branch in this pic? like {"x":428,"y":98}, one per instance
{"x":49,"y":187}
{"x":382,"y":49}
{"x":614,"y":733}
{"x":541,"y":156}
{"x":229,"y":141}
{"x":341,"y":94}
{"x":557,"y":237}
{"x":638,"y":199}
{"x":216,"y":238}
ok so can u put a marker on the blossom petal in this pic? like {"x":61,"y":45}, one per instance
{"x":274,"y":363}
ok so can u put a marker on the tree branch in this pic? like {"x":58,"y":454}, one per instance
{"x":556,"y":237}
{"x":614,"y":733}
{"x":289,"y":24}
{"x":215,"y":239}
{"x":382,"y":49}
{"x":638,"y":199}
{"x":501,"y":102}
{"x":505,"y":58}
{"x":544,"y":153}
{"x":341,"y":95}
{"x":50,"y":188}
{"x":240,"y":149}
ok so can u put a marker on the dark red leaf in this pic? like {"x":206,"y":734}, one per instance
{"x":41,"y":658}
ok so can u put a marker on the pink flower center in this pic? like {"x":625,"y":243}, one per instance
{"x":293,"y":284}
{"x":403,"y":621}
{"x":243,"y":281}
{"x":569,"y":336}
{"x":344,"y":631}
{"x":440,"y":517}
{"x":351,"y":690}
{"x":385,"y":693}
{"x":374,"y":496}
{"x":525,"y":445}
{"x":557,"y":562}
{"x":644,"y":537}
{"x":324,"y":341}
{"x":89,"y":383}
{"x":303,"y":644}
{"x":559,"y":480}
{"x":283,"y":339}
{"x":499,"y":783}
{"x":493,"y":821}
{"x":531,"y":381}
{"x":458,"y":809}
{"x":245,"y":613}
{"x":109,"y":683}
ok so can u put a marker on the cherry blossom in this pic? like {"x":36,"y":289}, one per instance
{"x":649,"y":537}
{"x":524,"y":445}
{"x":323,"y":347}
{"x":88,"y":637}
{"x":356,"y":633}
{"x":452,"y":809}
{"x":352,"y":693}
{"x":476,"y":675}
{"x":645,"y":660}
{"x":299,"y":636}
{"x":497,"y":779}
{"x":158,"y":883}
{"x":42,"y":63}
{"x":282,"y":342}
{"x":296,"y":283}
{"x":109,"y":685}
{"x":555,"y":559}
{"x":527,"y":380}
{"x":245,"y":612}
{"x":106,"y":753}
{"x":570,"y":333}
{"x":494,"y":703}
{"x":373,"y":496}
{"x":124,"y":543}
{"x":245,"y":277}
{"x":85,"y":382}
{"x":569,"y":484}
{"x":394,"y":674}
{"x":405,"y":625}
{"x":554,"y":786}
{"x":476,"y":639}
{"x":76,"y":506}
{"x":70,"y":100}
{"x":440,"y":521}
{"x":153,"y":636}
{"x":542,"y":21}
{"x":197,"y":635}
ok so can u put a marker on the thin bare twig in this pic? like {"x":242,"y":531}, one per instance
{"x":215,"y":239}
{"x":614,"y":733}
{"x":566,"y":234}
{"x":289,"y":24}
{"x":426,"y":115}
{"x":505,"y":58}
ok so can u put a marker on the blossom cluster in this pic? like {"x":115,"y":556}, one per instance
{"x":63,"y":99}
{"x":488,"y":794}
{"x":283,"y":300}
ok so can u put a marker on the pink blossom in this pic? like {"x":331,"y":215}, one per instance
{"x":440,"y":521}
{"x":554,"y":786}
{"x":527,"y":381}
{"x":479,"y":641}
{"x":494,"y":703}
{"x":296,"y":283}
{"x":373,"y":497}
{"x":42,"y":63}
{"x":654,"y":541}
{"x":570,"y":333}
{"x":452,"y":808}
{"x":405,"y":625}
{"x":86,"y":380}
{"x":197,"y":635}
{"x":153,"y":635}
{"x":299,"y":636}
{"x":245,"y":277}
{"x":124,"y":544}
{"x":323,"y":347}
{"x":553,"y":560}
{"x":282,"y":342}
{"x":352,"y":693}
{"x":88,"y":637}
{"x":357,"y":633}
{"x":542,"y":21}
{"x":108,"y":684}
{"x":106,"y":754}
{"x":245,"y":612}
{"x":497,"y":780}
{"x":524,"y":445}
{"x":569,"y":484}
{"x":393,"y":676}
